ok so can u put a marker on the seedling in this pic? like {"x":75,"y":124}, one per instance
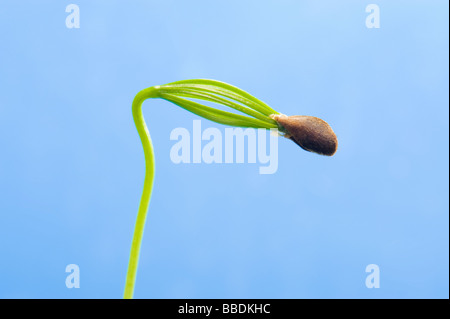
{"x":310,"y":133}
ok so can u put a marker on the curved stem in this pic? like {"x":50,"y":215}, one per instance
{"x":148,"y":186}
{"x":212,"y":114}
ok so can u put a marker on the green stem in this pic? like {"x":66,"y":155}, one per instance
{"x":148,"y":186}
{"x":188,"y":89}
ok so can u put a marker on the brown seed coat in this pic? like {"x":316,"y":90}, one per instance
{"x":309,"y":132}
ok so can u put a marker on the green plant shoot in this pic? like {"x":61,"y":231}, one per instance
{"x":311,"y":133}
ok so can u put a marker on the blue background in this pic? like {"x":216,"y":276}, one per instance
{"x":71,"y":165}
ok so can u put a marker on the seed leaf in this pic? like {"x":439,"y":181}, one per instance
{"x":215,"y":115}
{"x":225,"y":90}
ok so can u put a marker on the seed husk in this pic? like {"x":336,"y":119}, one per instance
{"x":310,"y":133}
